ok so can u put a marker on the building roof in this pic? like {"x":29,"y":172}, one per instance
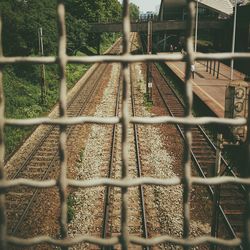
{"x":221,"y":6}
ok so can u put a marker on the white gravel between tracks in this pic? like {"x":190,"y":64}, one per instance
{"x":93,"y":157}
{"x":167,"y":201}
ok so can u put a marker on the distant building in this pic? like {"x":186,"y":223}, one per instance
{"x":221,"y":39}
{"x":149,"y":15}
{"x":176,"y":9}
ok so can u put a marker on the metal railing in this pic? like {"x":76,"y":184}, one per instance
{"x":125,"y":182}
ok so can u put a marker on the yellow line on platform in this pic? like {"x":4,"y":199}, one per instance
{"x":195,"y":84}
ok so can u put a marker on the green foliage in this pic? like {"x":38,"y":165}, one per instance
{"x":70,"y":204}
{"x":23,"y":18}
{"x":134,"y":11}
{"x":148,"y":104}
{"x":82,"y":12}
{"x":21,"y":21}
{"x":75,"y":72}
{"x":107,"y":39}
{"x":22,"y":98}
{"x":77,"y":30}
{"x":81,"y":156}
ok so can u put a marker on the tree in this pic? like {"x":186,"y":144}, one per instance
{"x":82,"y":12}
{"x":21,"y":20}
{"x":134,"y":11}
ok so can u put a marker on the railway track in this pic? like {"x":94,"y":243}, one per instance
{"x":44,"y":158}
{"x":112,"y":206}
{"x":231,"y":203}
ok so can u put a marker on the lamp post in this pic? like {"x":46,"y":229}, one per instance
{"x":233,"y":40}
{"x":196,"y":25}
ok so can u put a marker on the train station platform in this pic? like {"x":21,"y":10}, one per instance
{"x":208,"y":84}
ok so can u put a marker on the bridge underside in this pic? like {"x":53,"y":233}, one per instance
{"x":157,"y":26}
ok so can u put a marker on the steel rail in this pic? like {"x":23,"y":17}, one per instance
{"x":69,"y":103}
{"x":139,"y":168}
{"x":110,"y":168}
{"x":49,"y":131}
{"x":73,"y":99}
{"x":212,"y":146}
{"x":137,"y":151}
{"x":210,"y":143}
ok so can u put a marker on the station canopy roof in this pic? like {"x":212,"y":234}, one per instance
{"x":221,"y":6}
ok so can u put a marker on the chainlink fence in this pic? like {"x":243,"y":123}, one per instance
{"x":124,"y":183}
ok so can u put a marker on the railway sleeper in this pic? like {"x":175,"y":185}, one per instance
{"x":197,"y":139}
{"x":204,"y":147}
{"x":179,"y":114}
{"x":237,"y":223}
{"x":229,"y":192}
{"x":233,"y":204}
{"x":178,"y":110}
{"x":232,"y":187}
{"x":236,"y":212}
{"x":203,"y":153}
{"x":207,"y":163}
{"x":39,"y":157}
{"x":39,"y":164}
{"x":205,"y":156}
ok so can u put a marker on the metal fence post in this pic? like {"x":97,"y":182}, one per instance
{"x":62,"y":62}
{"x":214,"y":67}
{"x":218,"y":70}
{"x":63,"y":182}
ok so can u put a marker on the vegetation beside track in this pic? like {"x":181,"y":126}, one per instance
{"x":21,"y":21}
{"x":23,"y":94}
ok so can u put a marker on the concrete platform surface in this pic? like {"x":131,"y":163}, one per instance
{"x":206,"y":85}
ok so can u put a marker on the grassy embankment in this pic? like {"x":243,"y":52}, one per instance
{"x":22,"y":93}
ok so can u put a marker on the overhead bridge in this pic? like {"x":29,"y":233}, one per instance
{"x":157,"y":26}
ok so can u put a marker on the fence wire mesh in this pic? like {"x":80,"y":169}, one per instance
{"x":124,"y":183}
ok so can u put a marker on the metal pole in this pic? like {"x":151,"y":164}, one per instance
{"x":233,"y":40}
{"x":218,"y":70}
{"x":41,"y":52}
{"x":207,"y":66}
{"x":196,"y":25}
{"x":215,"y":214}
{"x":165,"y":42}
{"x":149,"y":65}
{"x":214,"y":67}
{"x":210,"y":67}
{"x":150,"y":24}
